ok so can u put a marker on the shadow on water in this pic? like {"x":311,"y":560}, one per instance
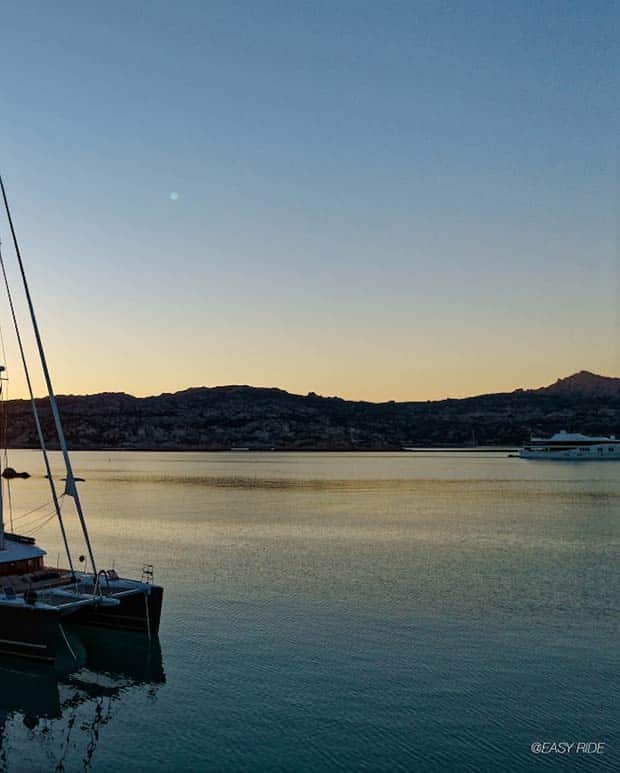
{"x":63,"y":709}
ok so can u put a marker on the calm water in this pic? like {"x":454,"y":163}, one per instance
{"x":337,"y":612}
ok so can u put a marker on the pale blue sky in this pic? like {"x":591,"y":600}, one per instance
{"x":378,"y":200}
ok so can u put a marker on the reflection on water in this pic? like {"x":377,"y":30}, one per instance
{"x":339,"y":612}
{"x":55,"y":718}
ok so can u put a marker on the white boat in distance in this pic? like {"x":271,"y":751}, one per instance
{"x":572,"y":445}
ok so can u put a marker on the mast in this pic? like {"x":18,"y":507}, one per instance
{"x":70,"y":486}
{"x":35,"y":411}
{"x":2,"y":545}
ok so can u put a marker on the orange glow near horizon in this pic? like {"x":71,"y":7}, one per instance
{"x":413,"y":210}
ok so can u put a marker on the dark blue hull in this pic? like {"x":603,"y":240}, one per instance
{"x":30,"y":632}
{"x":137,"y":611}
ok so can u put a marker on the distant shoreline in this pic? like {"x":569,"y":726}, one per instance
{"x":234,"y":418}
{"x":240,"y":452}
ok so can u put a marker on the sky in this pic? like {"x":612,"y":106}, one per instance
{"x":377,"y":200}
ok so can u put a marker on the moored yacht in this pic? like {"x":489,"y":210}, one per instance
{"x":572,"y":445}
{"x":36,"y":601}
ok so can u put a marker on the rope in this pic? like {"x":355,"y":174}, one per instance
{"x":41,"y":521}
{"x":70,"y":486}
{"x":4,"y":429}
{"x":34,"y":528}
{"x":40,"y":507}
{"x":10,"y":501}
{"x":35,"y":411}
{"x":148,"y":617}
{"x":6,"y":433}
{"x":64,"y":636}
{"x":4,"y":395}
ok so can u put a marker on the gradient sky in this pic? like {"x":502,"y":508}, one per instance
{"x":381,"y":200}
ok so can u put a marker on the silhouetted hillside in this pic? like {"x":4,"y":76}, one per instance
{"x":219,"y":418}
{"x":584,"y":384}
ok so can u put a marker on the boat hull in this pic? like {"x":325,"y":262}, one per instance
{"x":586,"y":454}
{"x":136,"y":611}
{"x":30,"y":632}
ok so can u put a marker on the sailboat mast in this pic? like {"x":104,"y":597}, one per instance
{"x":35,"y":413}
{"x":70,"y":486}
{"x":2,"y":370}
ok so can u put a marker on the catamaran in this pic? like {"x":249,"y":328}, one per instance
{"x":572,"y":445}
{"x":37,"y":601}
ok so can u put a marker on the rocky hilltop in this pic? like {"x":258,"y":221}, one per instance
{"x":220,"y":418}
{"x":584,"y":384}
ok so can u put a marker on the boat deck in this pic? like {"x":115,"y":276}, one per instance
{"x":63,"y":590}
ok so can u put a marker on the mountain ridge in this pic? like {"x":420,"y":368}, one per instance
{"x":585,"y":382}
{"x":582,"y":381}
{"x":262,"y":418}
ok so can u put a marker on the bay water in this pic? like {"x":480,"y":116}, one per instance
{"x":333,"y":611}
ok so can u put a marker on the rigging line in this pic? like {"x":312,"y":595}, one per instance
{"x":39,"y":526}
{"x":70,"y":487}
{"x":3,"y":443}
{"x":38,"y":515}
{"x":37,"y":518}
{"x":5,"y":431}
{"x":4,"y":360}
{"x":34,"y":517}
{"x":24,"y":522}
{"x":10,"y":501}
{"x":34,"y":529}
{"x":34,"y":509}
{"x":35,"y":412}
{"x":41,"y":521}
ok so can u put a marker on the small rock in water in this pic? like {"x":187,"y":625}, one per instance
{"x":9,"y":473}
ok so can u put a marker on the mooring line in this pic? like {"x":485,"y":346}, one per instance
{"x":64,"y":636}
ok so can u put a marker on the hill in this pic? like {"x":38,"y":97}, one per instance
{"x":219,"y":418}
{"x":584,"y":384}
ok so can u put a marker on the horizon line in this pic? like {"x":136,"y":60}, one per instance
{"x":316,"y":394}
